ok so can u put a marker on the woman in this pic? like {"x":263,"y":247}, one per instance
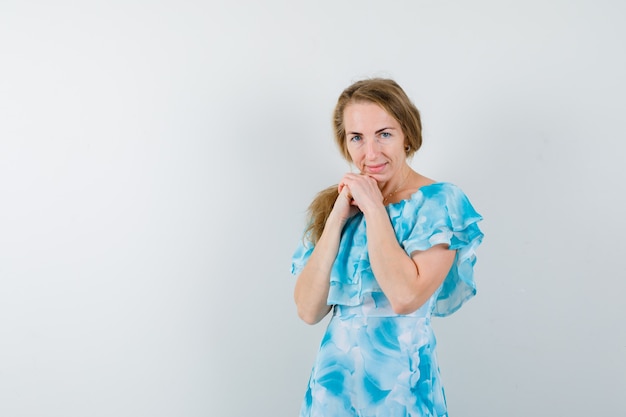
{"x":385,"y":249}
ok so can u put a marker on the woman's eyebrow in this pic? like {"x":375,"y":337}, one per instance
{"x":377,"y":132}
{"x":384,"y":128}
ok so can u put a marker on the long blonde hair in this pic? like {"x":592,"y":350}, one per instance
{"x":391,"y":97}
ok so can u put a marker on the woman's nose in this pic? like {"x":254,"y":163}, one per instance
{"x":372,"y":147}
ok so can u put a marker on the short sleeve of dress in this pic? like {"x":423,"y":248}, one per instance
{"x":301,"y":255}
{"x":446,"y":216}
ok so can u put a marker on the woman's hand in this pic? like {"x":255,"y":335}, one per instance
{"x":344,"y":206}
{"x":363,"y":191}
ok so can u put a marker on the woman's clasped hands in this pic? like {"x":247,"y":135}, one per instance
{"x":358,"y":191}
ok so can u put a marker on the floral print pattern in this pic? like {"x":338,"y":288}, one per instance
{"x":373,"y":362}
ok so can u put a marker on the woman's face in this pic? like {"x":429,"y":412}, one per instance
{"x":374,"y":140}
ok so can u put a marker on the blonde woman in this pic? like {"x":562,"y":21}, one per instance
{"x":384,"y":250}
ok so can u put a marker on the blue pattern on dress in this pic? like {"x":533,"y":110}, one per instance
{"x":373,"y":362}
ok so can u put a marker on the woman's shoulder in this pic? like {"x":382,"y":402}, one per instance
{"x":441,"y":189}
{"x":437,"y":190}
{"x":438,"y":199}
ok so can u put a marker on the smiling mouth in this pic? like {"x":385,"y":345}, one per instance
{"x":375,"y":168}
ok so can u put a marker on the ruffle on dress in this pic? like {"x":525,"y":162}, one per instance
{"x":438,"y":213}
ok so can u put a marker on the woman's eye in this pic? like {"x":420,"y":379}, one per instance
{"x":385,"y":135}
{"x":355,"y":138}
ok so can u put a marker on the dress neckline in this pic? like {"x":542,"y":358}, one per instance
{"x":418,"y":191}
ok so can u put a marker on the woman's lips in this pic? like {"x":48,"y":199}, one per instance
{"x":375,"y":169}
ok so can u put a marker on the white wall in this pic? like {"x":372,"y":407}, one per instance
{"x":156,"y":159}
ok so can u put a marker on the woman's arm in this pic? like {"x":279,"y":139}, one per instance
{"x":313,"y":283}
{"x":407,"y":281}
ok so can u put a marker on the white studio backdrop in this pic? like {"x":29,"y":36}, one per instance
{"x":157,"y":158}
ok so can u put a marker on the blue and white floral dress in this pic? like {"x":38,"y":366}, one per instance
{"x":373,"y":362}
